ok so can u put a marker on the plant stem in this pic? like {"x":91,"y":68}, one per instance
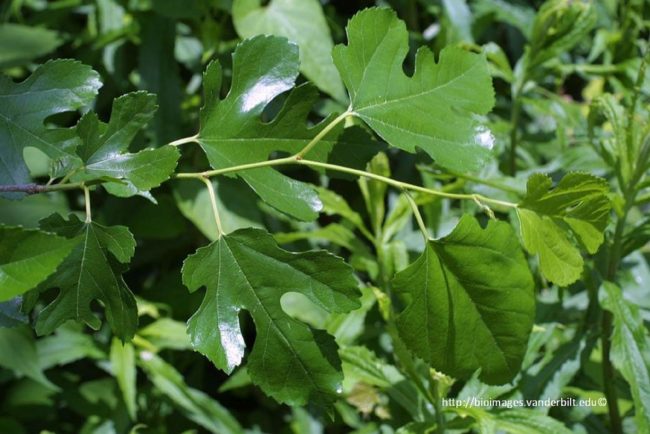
{"x":437,"y":404}
{"x":405,"y":185}
{"x":191,"y":139}
{"x":241,"y":168}
{"x":89,"y":217}
{"x":514,"y":133}
{"x":322,"y":134}
{"x":478,"y":180}
{"x":37,"y":188}
{"x":418,"y":216}
{"x":213,"y":202}
{"x":606,"y":329}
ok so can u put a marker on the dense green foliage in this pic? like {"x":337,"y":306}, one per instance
{"x":303,"y":216}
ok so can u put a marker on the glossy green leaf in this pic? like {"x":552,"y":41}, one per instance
{"x":233,"y":133}
{"x":27,"y":257}
{"x":247,"y":270}
{"x":196,"y":405}
{"x":103,"y":148}
{"x":578,"y":207}
{"x":302,"y":22}
{"x":92,"y":271}
{"x":57,"y":86}
{"x":433,"y":110}
{"x":20,"y":44}
{"x":630,"y":352}
{"x":122,"y":359}
{"x":470,"y":302}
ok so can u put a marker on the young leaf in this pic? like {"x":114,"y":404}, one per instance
{"x":27,"y":257}
{"x":92,"y":271}
{"x":577,"y":206}
{"x":470,"y":302}
{"x":103,"y":148}
{"x":232,"y":131}
{"x":558,"y":26}
{"x":434,"y":109}
{"x":57,"y":86}
{"x":247,"y":270}
{"x":302,"y":22}
{"x":630,"y":350}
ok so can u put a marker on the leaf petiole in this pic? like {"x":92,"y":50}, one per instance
{"x":322,"y":134}
{"x":89,"y":217}
{"x":191,"y":139}
{"x":418,"y":216}
{"x":213,"y":202}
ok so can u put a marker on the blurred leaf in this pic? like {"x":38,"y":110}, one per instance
{"x":516,"y":14}
{"x":159,"y":70}
{"x":20,"y":356}
{"x":67,"y":345}
{"x":247,"y":270}
{"x":577,"y":206}
{"x":21,"y":44}
{"x":361,"y":365}
{"x":28,"y":211}
{"x":302,"y":22}
{"x":122,"y":358}
{"x":27,"y":257}
{"x":525,"y":421}
{"x":374,"y":191}
{"x":558,"y":26}
{"x":408,"y":113}
{"x":10,"y":313}
{"x":196,"y":405}
{"x":166,"y":333}
{"x":473,"y":279}
{"x":630,"y":352}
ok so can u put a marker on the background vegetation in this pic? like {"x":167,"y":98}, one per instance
{"x":570,"y":100}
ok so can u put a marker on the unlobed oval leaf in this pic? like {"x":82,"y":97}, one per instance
{"x":470,"y":302}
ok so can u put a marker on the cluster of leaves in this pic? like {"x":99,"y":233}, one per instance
{"x":349,"y":235}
